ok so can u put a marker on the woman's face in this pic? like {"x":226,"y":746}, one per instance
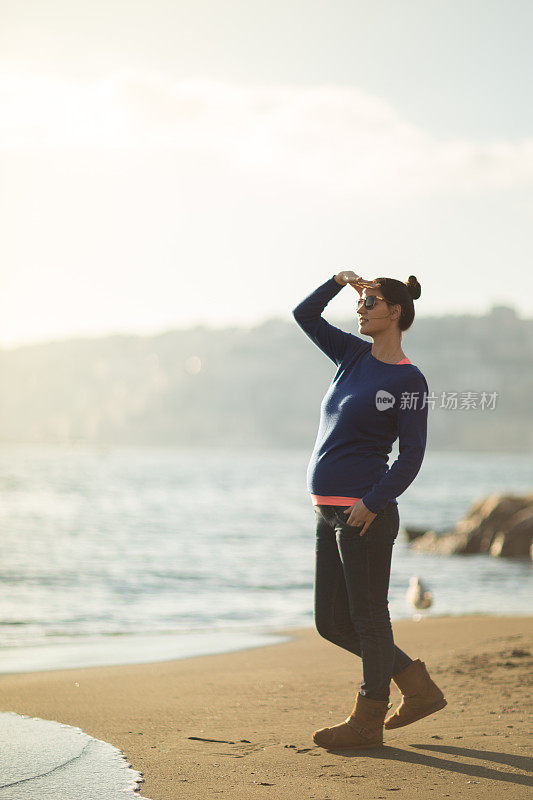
{"x":378,"y":318}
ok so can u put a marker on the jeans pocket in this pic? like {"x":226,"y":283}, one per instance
{"x":342,"y":518}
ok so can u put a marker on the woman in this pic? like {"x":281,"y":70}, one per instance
{"x":376,"y":395}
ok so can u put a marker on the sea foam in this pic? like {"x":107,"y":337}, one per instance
{"x":42,"y":759}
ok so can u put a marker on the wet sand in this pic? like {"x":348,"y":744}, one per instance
{"x":263,"y":704}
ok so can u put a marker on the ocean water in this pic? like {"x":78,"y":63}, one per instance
{"x":102,"y":545}
{"x":52,"y":761}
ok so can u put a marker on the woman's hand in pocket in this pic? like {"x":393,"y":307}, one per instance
{"x":358,"y":515}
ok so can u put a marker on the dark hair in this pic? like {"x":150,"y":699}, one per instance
{"x":402,"y":293}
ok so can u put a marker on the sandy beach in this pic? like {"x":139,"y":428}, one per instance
{"x":263,"y":704}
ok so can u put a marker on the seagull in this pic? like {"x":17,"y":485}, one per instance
{"x":418,"y":595}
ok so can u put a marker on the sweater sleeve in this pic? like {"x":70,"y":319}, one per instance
{"x":330,"y":339}
{"x":412,"y":427}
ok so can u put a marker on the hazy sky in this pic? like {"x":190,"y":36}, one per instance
{"x":171,"y":163}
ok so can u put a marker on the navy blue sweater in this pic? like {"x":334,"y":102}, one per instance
{"x":367,"y":406}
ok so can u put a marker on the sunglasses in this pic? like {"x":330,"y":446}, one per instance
{"x":370,"y":301}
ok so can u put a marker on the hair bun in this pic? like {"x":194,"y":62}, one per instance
{"x":413,"y":287}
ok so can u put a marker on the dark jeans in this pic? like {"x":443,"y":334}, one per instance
{"x":351,"y":608}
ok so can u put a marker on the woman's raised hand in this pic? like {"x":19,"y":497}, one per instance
{"x":358,"y":283}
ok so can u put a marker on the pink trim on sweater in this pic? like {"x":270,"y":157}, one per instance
{"x":332,"y":500}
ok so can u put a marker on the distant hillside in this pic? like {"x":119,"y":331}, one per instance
{"x":259,"y":386}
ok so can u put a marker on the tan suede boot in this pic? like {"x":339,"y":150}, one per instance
{"x":363,"y":728}
{"x":420,"y":695}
